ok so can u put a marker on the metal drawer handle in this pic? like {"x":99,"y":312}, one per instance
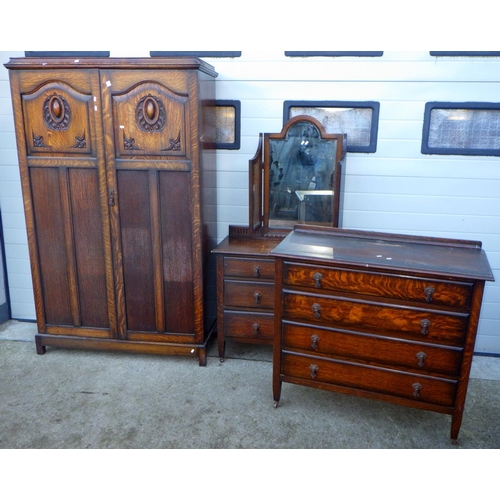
{"x":314,"y":370}
{"x":316,"y":310}
{"x":256,"y":328}
{"x":421,"y":358}
{"x":425,"y":324}
{"x":429,"y":292}
{"x":257,"y":296}
{"x":317,"y":277}
{"x":314,"y":340}
{"x":416,"y":389}
{"x":256,"y":271}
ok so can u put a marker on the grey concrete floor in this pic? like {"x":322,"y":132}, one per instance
{"x":77,"y":399}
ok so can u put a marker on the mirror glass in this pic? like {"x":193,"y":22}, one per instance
{"x":301,"y":177}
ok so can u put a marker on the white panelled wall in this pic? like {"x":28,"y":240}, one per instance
{"x":396,"y":189}
{"x":11,"y":205}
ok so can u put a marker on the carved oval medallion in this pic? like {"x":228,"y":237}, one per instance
{"x":56,"y":112}
{"x":150,"y":114}
{"x":150,"y":110}
{"x":56,"y":109}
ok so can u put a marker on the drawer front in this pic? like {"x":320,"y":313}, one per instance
{"x":374,"y":349}
{"x":383,"y":381}
{"x":257,"y":295}
{"x":382,"y":318}
{"x":249,"y":268}
{"x":249,"y":325}
{"x":452,"y":294}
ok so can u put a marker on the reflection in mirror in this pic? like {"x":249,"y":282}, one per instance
{"x":301,"y":177}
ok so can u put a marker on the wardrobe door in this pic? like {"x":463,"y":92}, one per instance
{"x":152,"y":154}
{"x":63,"y":178}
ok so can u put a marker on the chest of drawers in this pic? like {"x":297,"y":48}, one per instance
{"x":389,"y":317}
{"x":245,"y":290}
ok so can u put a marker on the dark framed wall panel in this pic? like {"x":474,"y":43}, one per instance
{"x":358,"y":119}
{"x":227,"y":124}
{"x":468,"y":128}
{"x":490,"y":53}
{"x":335,"y":54}
{"x":173,"y":53}
{"x":66,"y":53}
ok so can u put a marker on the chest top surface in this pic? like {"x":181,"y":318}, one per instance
{"x":381,"y":251}
{"x":246,"y":246}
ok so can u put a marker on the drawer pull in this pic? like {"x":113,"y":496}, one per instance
{"x":425,"y":324}
{"x":429,"y":292}
{"x":421,"y":358}
{"x":416,"y":389}
{"x":257,"y":296}
{"x":317,"y":277}
{"x":256,"y":272}
{"x":314,"y":370}
{"x":316,"y":310}
{"x":256,"y":328}
{"x":314,"y":340}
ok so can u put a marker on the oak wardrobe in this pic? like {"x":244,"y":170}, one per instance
{"x":117,"y":167}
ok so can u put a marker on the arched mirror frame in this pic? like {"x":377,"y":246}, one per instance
{"x":260,"y":179}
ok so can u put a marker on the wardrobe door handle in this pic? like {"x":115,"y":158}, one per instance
{"x":257,"y":296}
{"x":256,"y":272}
{"x":256,"y":328}
{"x":314,"y":370}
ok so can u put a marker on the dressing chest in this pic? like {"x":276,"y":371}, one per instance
{"x":295,"y":176}
{"x":389,"y":317}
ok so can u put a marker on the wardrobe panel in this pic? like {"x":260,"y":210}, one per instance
{"x":177,"y":245}
{"x":149,"y":119}
{"x":51,"y":245}
{"x":57,"y":120}
{"x":135,"y":227}
{"x":89,"y":247}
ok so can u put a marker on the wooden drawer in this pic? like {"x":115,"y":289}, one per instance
{"x":383,"y":381}
{"x":248,"y":294}
{"x":249,"y":268}
{"x":376,"y":317}
{"x":452,"y":294}
{"x":374,"y":349}
{"x":249,"y":325}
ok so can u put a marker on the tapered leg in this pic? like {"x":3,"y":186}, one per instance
{"x":276,"y":391}
{"x":456,"y":423}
